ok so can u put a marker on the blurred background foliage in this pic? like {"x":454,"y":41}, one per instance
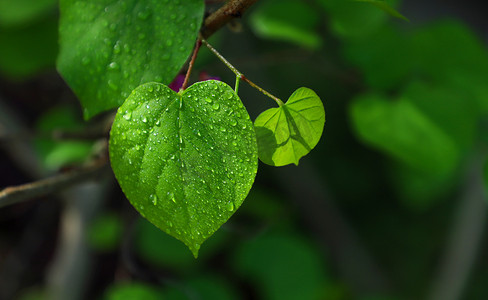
{"x":389,"y":206}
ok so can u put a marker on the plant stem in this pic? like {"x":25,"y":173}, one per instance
{"x":239,"y":74}
{"x":190,"y":66}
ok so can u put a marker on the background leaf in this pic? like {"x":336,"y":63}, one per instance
{"x":289,"y":20}
{"x":27,"y":50}
{"x":289,"y":132}
{"x":282,"y":266}
{"x":349,"y":19}
{"x":204,"y":287}
{"x":56,"y":154}
{"x":383,"y":5}
{"x":109,"y":47}
{"x":404,"y":132}
{"x":105,"y":232}
{"x":185,"y":161}
{"x":22,"y":12}
{"x":133,"y":291}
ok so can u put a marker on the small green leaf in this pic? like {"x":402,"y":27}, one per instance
{"x":288,"y":20}
{"x":289,"y":132}
{"x":109,"y":47}
{"x":185,"y":161}
{"x":383,"y":5}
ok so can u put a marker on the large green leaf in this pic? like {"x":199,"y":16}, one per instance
{"x":289,"y":132}
{"x":288,"y":20}
{"x":185,"y":161}
{"x":402,"y":131}
{"x":109,"y":47}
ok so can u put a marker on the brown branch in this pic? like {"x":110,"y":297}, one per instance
{"x":17,"y":194}
{"x":231,"y":10}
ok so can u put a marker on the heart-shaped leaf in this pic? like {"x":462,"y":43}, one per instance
{"x":289,"y":132}
{"x":187,"y":160}
{"x":109,"y":47}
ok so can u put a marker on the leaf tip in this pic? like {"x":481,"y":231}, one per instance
{"x":194,"y":250}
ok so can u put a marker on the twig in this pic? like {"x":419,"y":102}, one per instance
{"x":231,"y":10}
{"x":190,"y":65}
{"x":17,"y":194}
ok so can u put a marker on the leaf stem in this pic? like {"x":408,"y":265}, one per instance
{"x":238,"y":80}
{"x":190,"y":65}
{"x":239,"y":74}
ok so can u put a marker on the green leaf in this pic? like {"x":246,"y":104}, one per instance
{"x":405,"y":133}
{"x":386,"y":63}
{"x":185,"y":161}
{"x":27,"y":50}
{"x":454,"y":110}
{"x":349,"y":19}
{"x":21,"y":12}
{"x":56,"y":154}
{"x":133,"y":291}
{"x":109,"y":47}
{"x":464,"y":66}
{"x":105,"y":232}
{"x":291,"y":131}
{"x":383,"y":5}
{"x":288,"y":20}
{"x":282,"y":266}
{"x":206,"y":286}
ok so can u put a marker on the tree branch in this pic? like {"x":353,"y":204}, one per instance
{"x":17,"y":194}
{"x":465,"y":237}
{"x":230,"y":10}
